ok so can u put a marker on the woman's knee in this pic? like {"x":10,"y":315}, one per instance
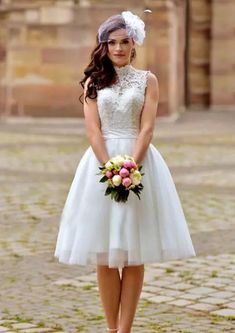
{"x":106,"y":268}
{"x":134,"y":268}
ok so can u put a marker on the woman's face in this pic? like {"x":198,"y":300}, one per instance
{"x":120,"y":47}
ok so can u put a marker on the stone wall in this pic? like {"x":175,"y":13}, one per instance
{"x":165,"y":52}
{"x":198,"y":60}
{"x":45,"y":45}
{"x":211,"y":62}
{"x":222,"y":54}
{"x":41,"y":52}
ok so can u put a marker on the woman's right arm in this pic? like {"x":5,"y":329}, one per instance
{"x":93,"y":128}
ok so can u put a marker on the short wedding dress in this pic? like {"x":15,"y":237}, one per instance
{"x":97,"y":230}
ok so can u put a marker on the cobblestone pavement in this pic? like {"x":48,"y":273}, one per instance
{"x":38,"y":158}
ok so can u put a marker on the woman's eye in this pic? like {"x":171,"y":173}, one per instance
{"x":126,"y":42}
{"x":111,"y":42}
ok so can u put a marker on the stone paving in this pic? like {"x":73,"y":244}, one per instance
{"x":38,"y":158}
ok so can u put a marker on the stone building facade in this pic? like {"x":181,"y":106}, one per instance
{"x":45,"y":46}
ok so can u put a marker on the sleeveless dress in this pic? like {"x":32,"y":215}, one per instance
{"x":97,"y":230}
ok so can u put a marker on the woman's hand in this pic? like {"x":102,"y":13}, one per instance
{"x":148,"y":116}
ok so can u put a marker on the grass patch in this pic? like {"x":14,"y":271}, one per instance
{"x":88,"y":287}
{"x":46,"y":301}
{"x":214,"y":274}
{"x":34,"y":218}
{"x":16,"y":255}
{"x":57,"y":327}
{"x":186,"y":275}
{"x":63,"y":316}
{"x":80,"y":312}
{"x":156,"y":327}
{"x":146,"y":302}
{"x":11,"y":279}
{"x":80,"y":328}
{"x":41,"y":323}
{"x":20,"y":318}
{"x":66,"y":286}
{"x":7,"y":324}
{"x":169,"y":270}
{"x":216,"y":318}
{"x":96,"y":318}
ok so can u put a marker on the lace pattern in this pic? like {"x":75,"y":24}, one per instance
{"x":120,"y":104}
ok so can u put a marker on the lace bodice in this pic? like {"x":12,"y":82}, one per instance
{"x":120,"y":104}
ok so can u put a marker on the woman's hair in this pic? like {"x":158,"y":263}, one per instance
{"x":100,"y":70}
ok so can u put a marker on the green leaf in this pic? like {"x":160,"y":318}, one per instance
{"x":114,"y":191}
{"x":103,"y":179}
{"x":136,"y":192}
{"x":116,"y":196}
{"x":138,"y":195}
{"x":108,"y":190}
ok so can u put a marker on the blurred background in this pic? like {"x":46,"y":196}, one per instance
{"x":45,"y":46}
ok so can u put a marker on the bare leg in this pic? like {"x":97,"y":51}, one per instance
{"x":109,"y":283}
{"x":132,"y":282}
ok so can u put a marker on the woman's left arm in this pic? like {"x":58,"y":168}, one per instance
{"x":148,"y":116}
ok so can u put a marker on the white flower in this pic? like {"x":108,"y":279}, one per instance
{"x":136,"y":177}
{"x":128,"y":157}
{"x":118,"y":160}
{"x":117,"y":180}
{"x":108,"y":165}
{"x":135,"y":27}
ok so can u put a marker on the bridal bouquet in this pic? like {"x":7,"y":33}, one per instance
{"x":122,"y":175}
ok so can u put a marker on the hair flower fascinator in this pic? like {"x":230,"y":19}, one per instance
{"x":134,"y":25}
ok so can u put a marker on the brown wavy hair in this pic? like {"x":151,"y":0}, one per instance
{"x":100,"y":70}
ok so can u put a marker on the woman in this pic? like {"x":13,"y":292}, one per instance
{"x":120,"y":109}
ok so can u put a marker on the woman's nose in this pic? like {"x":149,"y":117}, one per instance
{"x":118,"y":46}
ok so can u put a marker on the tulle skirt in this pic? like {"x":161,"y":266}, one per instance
{"x":97,"y":230}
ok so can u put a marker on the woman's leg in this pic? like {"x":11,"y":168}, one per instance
{"x":109,"y":284}
{"x":132,"y":282}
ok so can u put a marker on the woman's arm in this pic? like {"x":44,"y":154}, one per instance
{"x":148,"y":116}
{"x":93,"y":129}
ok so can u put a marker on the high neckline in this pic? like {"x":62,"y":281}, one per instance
{"x":123,"y":69}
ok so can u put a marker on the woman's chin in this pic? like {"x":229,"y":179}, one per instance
{"x":120,"y":62}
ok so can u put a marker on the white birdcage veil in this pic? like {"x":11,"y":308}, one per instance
{"x":133,"y":24}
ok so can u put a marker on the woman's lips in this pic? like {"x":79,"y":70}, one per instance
{"x":119,"y":55}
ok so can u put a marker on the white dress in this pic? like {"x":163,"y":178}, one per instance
{"x":97,"y":230}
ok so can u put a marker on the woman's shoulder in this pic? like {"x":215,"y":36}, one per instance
{"x":152,"y":84}
{"x":150,"y":75}
{"x":86,"y":83}
{"x":151,"y":78}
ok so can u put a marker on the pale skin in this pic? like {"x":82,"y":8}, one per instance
{"x":120,"y":293}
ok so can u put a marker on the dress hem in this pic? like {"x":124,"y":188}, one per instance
{"x":93,"y":262}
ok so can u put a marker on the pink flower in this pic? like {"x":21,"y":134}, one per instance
{"x":109,"y":174}
{"x":127,"y":164}
{"x":126,"y":182}
{"x":133,"y":165}
{"x":124,"y":172}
